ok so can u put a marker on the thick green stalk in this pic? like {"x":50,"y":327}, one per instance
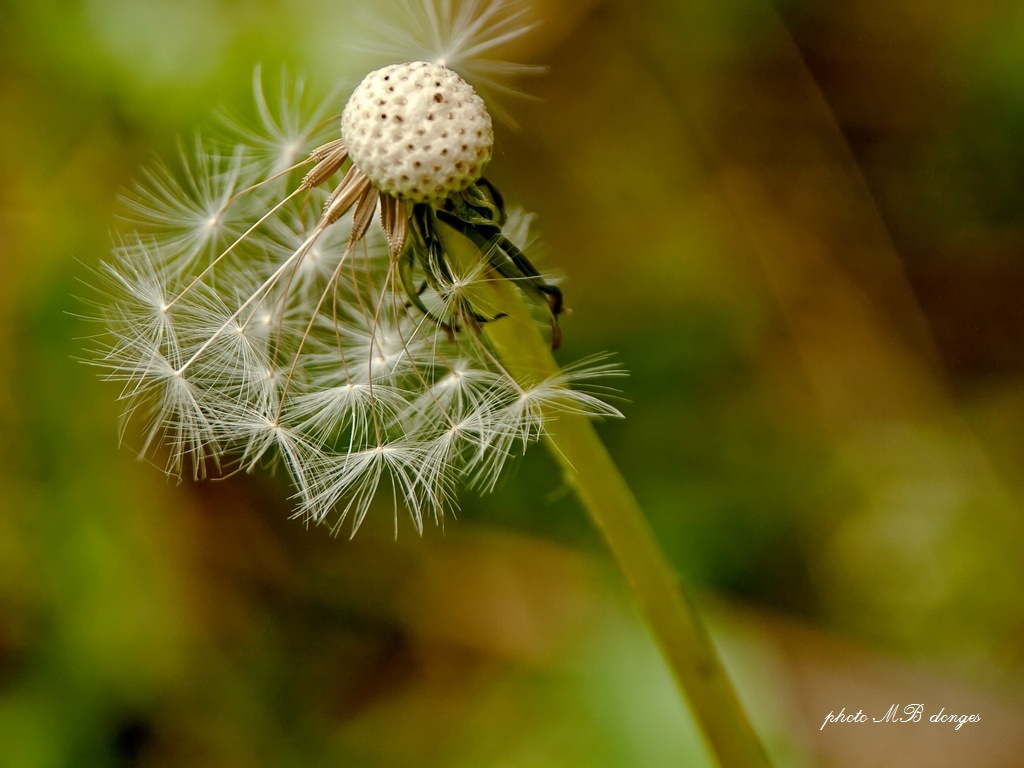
{"x":522,"y":349}
{"x":600,"y":487}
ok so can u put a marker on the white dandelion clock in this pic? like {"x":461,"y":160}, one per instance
{"x":253,"y":314}
{"x":256,"y":314}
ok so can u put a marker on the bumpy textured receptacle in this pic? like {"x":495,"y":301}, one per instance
{"x":418,"y":131}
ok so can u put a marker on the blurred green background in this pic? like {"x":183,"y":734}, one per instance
{"x":799,"y":225}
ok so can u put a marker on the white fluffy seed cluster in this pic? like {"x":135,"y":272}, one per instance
{"x":418,"y":131}
{"x":240,"y":337}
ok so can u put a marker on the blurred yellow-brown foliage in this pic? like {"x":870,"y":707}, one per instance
{"x":799,"y":225}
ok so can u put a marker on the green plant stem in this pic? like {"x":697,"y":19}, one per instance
{"x":600,"y":487}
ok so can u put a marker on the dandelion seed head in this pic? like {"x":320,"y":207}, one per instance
{"x":254,"y":315}
{"x":418,"y":131}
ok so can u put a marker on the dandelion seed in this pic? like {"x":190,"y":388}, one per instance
{"x":256,"y":315}
{"x":465,"y":37}
{"x":187,"y":215}
{"x":288,"y":125}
